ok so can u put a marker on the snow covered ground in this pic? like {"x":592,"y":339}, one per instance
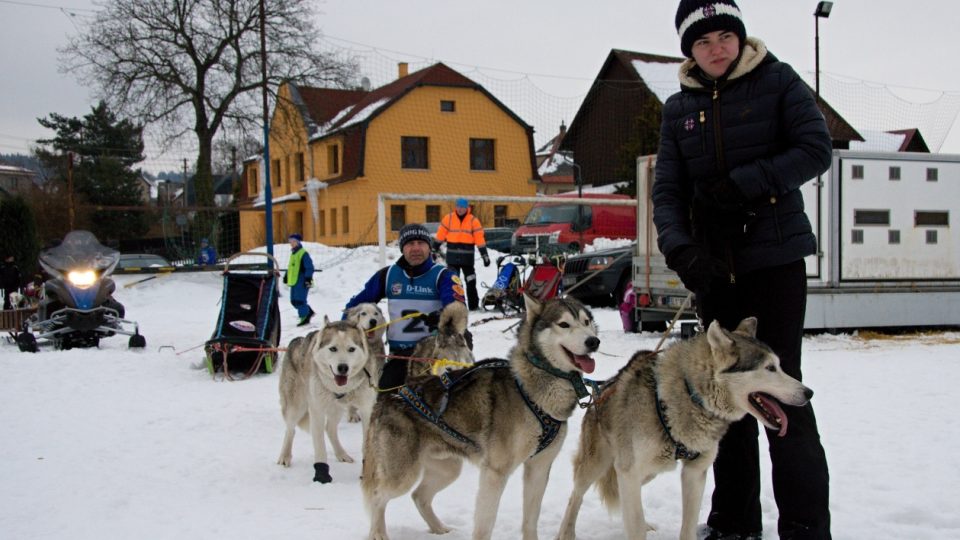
{"x":113,"y":443}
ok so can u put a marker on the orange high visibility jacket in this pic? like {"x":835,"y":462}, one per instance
{"x":461,"y":235}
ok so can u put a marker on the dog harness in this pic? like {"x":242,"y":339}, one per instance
{"x":680,"y":449}
{"x":549,"y":426}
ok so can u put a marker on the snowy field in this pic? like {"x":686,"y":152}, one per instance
{"x":116,"y":444}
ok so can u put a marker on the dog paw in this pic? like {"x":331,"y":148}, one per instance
{"x":443,"y":529}
{"x":344,"y":458}
{"x":322,"y":473}
{"x":285,"y":461}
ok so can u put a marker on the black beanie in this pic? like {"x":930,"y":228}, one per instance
{"x":413,"y":231}
{"x":698,"y":17}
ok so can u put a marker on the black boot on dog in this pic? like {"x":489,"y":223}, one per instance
{"x":322,"y":473}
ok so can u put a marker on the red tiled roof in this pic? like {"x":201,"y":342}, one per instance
{"x":324,"y":103}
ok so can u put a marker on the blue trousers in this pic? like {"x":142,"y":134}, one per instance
{"x":298,"y":297}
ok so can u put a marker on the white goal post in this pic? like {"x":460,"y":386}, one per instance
{"x":382,"y":197}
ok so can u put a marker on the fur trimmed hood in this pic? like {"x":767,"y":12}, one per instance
{"x":753,"y":53}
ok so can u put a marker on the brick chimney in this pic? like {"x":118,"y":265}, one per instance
{"x":403,"y":69}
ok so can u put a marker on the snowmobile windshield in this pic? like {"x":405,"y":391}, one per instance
{"x":79,"y":251}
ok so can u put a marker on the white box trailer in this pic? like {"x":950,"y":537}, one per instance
{"x":887,"y":255}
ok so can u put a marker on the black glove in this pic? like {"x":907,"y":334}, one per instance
{"x":432,"y":319}
{"x":697,"y":268}
{"x":720,"y":193}
{"x":486,"y":259}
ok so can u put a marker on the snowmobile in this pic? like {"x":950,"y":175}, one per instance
{"x":78,"y":308}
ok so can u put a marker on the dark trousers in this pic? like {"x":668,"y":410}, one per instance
{"x":777,"y":298}
{"x":394,"y":372}
{"x":470,"y":283}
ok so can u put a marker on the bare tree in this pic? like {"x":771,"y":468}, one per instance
{"x":194,"y":65}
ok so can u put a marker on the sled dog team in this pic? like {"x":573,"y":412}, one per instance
{"x":660,"y":408}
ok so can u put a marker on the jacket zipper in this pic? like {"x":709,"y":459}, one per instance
{"x":721,"y":165}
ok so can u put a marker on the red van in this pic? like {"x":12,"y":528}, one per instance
{"x":569,"y":227}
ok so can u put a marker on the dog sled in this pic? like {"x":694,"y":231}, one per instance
{"x":539,"y":277}
{"x":245,"y":340}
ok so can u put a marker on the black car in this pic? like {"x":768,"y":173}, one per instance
{"x":499,"y":238}
{"x":608,"y":286}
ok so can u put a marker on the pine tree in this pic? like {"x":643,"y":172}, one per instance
{"x":19,"y":236}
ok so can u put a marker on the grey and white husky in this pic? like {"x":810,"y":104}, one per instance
{"x":322,"y":375}
{"x":448,"y":343}
{"x":371,"y":320}
{"x":498,"y":414}
{"x":676,"y":406}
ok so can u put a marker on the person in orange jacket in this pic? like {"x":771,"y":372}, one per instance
{"x":462,"y":231}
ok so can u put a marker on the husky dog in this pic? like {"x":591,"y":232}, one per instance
{"x":498,"y":414}
{"x":676,"y":406}
{"x":449,"y":343}
{"x":371,"y":320}
{"x":322,"y":375}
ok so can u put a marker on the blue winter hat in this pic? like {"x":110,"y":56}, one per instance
{"x":295,"y":236}
{"x":204,"y":241}
{"x":462,"y":203}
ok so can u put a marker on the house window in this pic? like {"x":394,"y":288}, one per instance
{"x":932,"y":175}
{"x":333,"y":221}
{"x":253,"y":180}
{"x":333,"y":159}
{"x":856,"y":236}
{"x":301,"y":171}
{"x":413,"y":152}
{"x":500,"y":215}
{"x":893,"y":237}
{"x":398,"y":216}
{"x":923,"y":218}
{"x":856,"y":172}
{"x":275,"y":172}
{"x":448,"y":106}
{"x":894,"y":173}
{"x":932,"y":237}
{"x":345,"y":214}
{"x":433,"y":213}
{"x":322,"y":222}
{"x":298,"y":222}
{"x":481,"y":155}
{"x":871,"y":217}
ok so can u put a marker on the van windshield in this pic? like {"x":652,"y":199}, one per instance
{"x":562,"y":213}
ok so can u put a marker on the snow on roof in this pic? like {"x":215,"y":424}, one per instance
{"x":283,"y":198}
{"x":878,"y":141}
{"x":15,"y":169}
{"x":661,"y":78}
{"x":322,"y":131}
{"x":553,"y":163}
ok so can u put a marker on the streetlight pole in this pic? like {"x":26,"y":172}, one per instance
{"x":823,"y":11}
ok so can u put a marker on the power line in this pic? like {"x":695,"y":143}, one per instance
{"x":65,"y":9}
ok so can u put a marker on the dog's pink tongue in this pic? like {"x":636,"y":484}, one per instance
{"x":340,"y":379}
{"x":584,"y":362}
{"x":774,"y":407}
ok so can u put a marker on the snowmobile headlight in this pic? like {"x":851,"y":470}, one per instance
{"x":82,"y":278}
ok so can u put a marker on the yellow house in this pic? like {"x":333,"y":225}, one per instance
{"x":433,"y":131}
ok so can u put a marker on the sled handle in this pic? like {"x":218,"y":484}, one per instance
{"x":270,"y":259}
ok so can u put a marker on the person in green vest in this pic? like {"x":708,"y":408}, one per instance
{"x":299,"y":278}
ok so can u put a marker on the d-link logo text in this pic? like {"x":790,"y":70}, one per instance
{"x":419,"y":290}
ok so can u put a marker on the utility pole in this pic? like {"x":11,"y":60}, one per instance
{"x":70,"y":211}
{"x":183,"y":201}
{"x":267,"y":196}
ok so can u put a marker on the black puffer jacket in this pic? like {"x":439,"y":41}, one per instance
{"x":772,"y":138}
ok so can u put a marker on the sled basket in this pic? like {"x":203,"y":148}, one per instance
{"x":545,"y":279}
{"x":246,"y":337}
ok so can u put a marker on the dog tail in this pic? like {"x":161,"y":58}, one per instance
{"x":453,"y":318}
{"x":608,"y":490}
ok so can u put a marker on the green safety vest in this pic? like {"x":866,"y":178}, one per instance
{"x":293,"y":267}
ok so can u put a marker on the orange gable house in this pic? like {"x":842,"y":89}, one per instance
{"x":432,"y":131}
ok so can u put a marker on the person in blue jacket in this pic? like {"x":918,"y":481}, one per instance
{"x":414,"y":284}
{"x":208,"y":255}
{"x":299,"y":278}
{"x":736,"y":143}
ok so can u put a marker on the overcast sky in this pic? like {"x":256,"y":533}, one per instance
{"x":559,"y":44}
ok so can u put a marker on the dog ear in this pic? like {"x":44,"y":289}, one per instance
{"x":453,"y":318}
{"x":326,"y":320}
{"x":717,"y":337}
{"x":747,"y":327}
{"x":532,"y":305}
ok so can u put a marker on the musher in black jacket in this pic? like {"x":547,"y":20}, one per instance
{"x":736,"y":143}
